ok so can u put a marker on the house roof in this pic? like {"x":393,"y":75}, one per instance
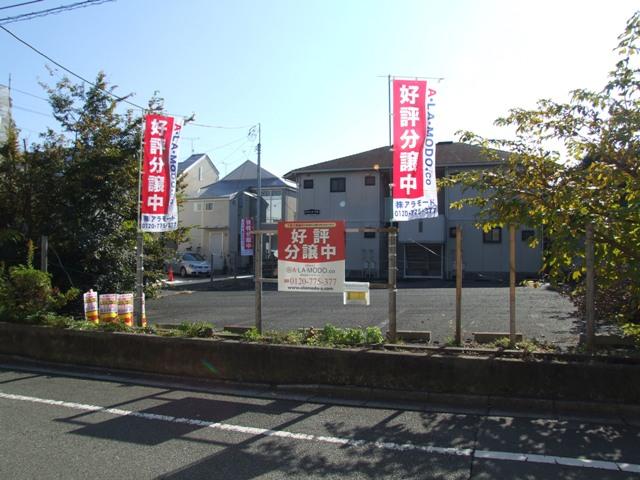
{"x":192,"y":160}
{"x":447,"y":154}
{"x":243,"y":178}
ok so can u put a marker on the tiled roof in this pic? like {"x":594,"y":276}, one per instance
{"x":189,"y":162}
{"x":244,"y":177}
{"x":447,"y":154}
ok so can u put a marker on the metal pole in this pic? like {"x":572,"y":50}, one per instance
{"x":44,"y":252}
{"x":258,"y":239}
{"x":590,"y":286}
{"x":258,"y":280}
{"x":393,"y":328}
{"x":390,"y":114}
{"x":139,"y":277}
{"x":139,"y":239}
{"x":259,"y":149}
{"x":458,"y":338}
{"x":512,"y":285}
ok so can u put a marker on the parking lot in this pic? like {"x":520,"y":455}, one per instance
{"x":541,"y":313}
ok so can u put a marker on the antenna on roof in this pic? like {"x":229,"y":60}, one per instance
{"x":192,"y":139}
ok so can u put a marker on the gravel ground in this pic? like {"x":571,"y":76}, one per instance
{"x":541,"y":313}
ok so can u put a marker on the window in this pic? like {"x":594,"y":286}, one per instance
{"x":420,"y":226}
{"x":492,"y":236}
{"x":527,"y":234}
{"x":208,"y":206}
{"x":370,"y":180}
{"x":199,"y":174}
{"x":369,"y":234}
{"x":197,"y":207}
{"x":272,"y":205}
{"x":307,"y":183}
{"x":338,"y":184}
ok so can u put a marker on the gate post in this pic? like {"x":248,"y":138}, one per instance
{"x":393,"y":238}
{"x":458,"y":338}
{"x":512,"y":285}
{"x":589,"y":287}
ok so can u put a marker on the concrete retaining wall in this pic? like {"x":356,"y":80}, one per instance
{"x":273,"y":364}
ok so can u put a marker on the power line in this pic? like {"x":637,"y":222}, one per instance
{"x":51,"y":11}
{"x":32,"y":111}
{"x":219,"y":126}
{"x":68,"y":70}
{"x":20,"y":4}
{"x":117,"y":97}
{"x":14,"y":89}
{"x":219,"y":147}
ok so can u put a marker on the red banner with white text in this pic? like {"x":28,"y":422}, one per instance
{"x":414,"y":190}
{"x":159,"y":207}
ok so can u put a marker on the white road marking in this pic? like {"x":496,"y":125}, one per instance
{"x":255,"y":431}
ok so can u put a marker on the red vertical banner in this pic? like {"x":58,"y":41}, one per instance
{"x":409,"y":129}
{"x":246,"y":236}
{"x":413,"y":170}
{"x":158,"y":208}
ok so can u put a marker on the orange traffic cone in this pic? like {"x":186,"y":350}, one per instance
{"x":170,"y":273}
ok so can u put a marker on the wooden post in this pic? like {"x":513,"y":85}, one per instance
{"x":458,"y":338}
{"x":393,"y":328}
{"x":590,"y":286}
{"x":258,"y":279}
{"x":44,"y":252}
{"x":512,"y":285}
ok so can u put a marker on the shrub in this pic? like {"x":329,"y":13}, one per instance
{"x":331,"y":335}
{"x":632,"y":330}
{"x":252,"y":335}
{"x":197,"y":329}
{"x":26,"y":294}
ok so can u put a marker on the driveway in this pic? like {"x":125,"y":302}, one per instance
{"x":541,"y":313}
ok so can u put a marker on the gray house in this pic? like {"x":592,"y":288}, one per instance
{"x":214,"y":213}
{"x":356,"y":189}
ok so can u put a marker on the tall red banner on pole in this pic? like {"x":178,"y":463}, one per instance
{"x":159,"y":208}
{"x":414,"y":183}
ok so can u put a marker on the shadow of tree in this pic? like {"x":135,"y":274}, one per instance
{"x":358,"y":442}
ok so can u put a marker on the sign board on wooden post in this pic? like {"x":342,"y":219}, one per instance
{"x":311,"y":256}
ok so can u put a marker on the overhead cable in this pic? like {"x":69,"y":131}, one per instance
{"x":20,"y":4}
{"x":51,"y":11}
{"x":117,"y":97}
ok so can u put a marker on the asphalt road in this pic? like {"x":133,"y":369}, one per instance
{"x":540,"y":313}
{"x":55,"y":425}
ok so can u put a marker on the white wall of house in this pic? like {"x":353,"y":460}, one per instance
{"x":364,"y":206}
{"x":209,"y":234}
{"x":199,"y":175}
{"x":360,"y":205}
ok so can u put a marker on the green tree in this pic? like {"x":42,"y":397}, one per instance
{"x":596,"y":180}
{"x":80,"y":188}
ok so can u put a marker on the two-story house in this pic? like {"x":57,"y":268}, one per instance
{"x":356,"y":189}
{"x":215,"y":212}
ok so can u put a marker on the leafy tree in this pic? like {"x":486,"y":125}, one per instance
{"x":80,"y":188}
{"x":596,"y":180}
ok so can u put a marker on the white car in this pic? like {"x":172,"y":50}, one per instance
{"x":186,"y":264}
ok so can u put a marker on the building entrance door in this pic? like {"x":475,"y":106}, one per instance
{"x":423,"y":260}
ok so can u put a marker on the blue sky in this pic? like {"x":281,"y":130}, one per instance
{"x":310,"y":71}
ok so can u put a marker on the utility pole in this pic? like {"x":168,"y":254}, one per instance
{"x":259,"y":150}
{"x":257,"y":247}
